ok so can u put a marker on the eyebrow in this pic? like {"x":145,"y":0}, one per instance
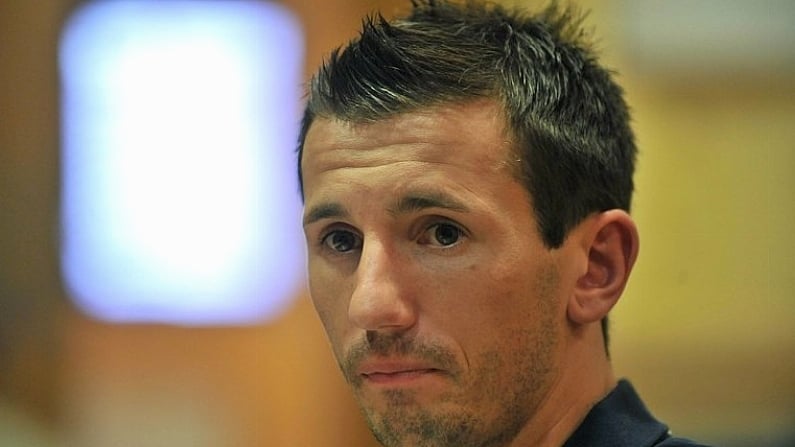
{"x":407,"y":204}
{"x":420,"y":201}
{"x":324,"y":211}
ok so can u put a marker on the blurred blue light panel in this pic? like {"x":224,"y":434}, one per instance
{"x":179,"y":192}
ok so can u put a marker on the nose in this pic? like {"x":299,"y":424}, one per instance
{"x":381,"y":300}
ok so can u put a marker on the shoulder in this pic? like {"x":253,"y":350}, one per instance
{"x":622,"y":420}
{"x":678,"y":442}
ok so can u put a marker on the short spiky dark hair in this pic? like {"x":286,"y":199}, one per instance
{"x":565,"y":113}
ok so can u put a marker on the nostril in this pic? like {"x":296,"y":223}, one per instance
{"x":381,"y":298}
{"x":385,"y":307}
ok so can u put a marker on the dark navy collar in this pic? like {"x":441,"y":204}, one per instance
{"x":619,"y":420}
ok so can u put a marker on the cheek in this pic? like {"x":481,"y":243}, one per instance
{"x":333,"y":326}
{"x":497,"y":308}
{"x":330,"y":301}
{"x":330,"y":295}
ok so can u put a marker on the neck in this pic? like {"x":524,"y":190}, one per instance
{"x":585,"y":378}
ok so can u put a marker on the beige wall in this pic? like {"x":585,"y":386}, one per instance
{"x":707,"y":323}
{"x":705,"y":329}
{"x":706,"y":326}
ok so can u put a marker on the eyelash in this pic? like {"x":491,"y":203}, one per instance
{"x":428,"y":233}
{"x":325,"y":236}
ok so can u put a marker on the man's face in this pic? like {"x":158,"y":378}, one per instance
{"x":443,"y":306}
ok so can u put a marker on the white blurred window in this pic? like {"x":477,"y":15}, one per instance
{"x":179,"y":193}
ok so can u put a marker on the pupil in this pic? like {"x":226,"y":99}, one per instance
{"x":342,"y":241}
{"x":446,"y":234}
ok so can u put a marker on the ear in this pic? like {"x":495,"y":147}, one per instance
{"x":611,"y":241}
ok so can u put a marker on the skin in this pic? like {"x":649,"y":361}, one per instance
{"x":449,"y":317}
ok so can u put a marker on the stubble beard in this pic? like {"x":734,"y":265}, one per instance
{"x":462,"y":421}
{"x":459,"y":419}
{"x":404,"y":423}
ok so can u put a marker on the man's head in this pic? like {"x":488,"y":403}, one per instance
{"x":463,"y":171}
{"x":565,"y":115}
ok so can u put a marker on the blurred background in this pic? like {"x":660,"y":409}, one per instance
{"x":143,"y":302}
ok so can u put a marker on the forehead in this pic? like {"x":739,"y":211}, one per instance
{"x":465,"y":135}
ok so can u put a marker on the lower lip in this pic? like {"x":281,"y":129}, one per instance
{"x":403,"y":378}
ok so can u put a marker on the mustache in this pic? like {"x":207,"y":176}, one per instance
{"x":377,"y":344}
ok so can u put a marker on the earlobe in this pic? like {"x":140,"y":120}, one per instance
{"x":611,"y":241}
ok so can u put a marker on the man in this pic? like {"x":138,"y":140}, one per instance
{"x":467,"y":177}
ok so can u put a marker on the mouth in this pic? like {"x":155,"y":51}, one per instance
{"x":397,"y":373}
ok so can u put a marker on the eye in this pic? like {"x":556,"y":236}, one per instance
{"x":442,"y":234}
{"x":341,"y":241}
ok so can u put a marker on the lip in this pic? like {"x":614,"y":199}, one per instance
{"x":397,"y":372}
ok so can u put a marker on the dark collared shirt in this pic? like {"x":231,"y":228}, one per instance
{"x":621,"y":420}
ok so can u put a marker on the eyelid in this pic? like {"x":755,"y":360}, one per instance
{"x":323,"y":229}
{"x":435,"y":221}
{"x":332,"y":228}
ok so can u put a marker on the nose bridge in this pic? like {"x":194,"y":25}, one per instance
{"x":380,"y":299}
